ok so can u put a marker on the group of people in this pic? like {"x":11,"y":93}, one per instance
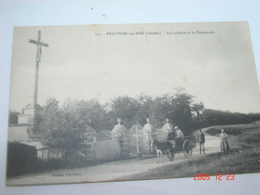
{"x":224,"y":146}
{"x":177,"y":135}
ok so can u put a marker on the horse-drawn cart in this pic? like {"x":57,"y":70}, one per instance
{"x":181,"y":145}
{"x":170,"y":148}
{"x":187,"y":148}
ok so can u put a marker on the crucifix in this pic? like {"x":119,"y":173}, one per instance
{"x":38,"y":59}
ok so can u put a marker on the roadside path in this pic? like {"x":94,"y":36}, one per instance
{"x":112,"y":170}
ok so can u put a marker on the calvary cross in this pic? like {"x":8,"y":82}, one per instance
{"x":38,"y":59}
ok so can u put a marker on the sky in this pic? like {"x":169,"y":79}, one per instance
{"x":107,"y":61}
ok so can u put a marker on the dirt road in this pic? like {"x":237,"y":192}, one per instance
{"x":112,"y":170}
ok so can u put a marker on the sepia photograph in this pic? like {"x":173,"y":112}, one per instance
{"x":126,"y":102}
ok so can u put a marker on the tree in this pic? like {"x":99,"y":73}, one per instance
{"x":175,"y":106}
{"x":218,"y":117}
{"x":125,"y":108}
{"x":160,"y":109}
{"x":181,"y":110}
{"x":197,"y":114}
{"x":92,"y":112}
{"x":63,"y":127}
{"x":145,"y":103}
{"x":198,"y":108}
{"x":37,"y":121}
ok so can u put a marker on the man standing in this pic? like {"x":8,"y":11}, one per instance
{"x":201,"y":140}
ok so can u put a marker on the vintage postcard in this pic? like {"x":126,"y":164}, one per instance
{"x":99,"y":103}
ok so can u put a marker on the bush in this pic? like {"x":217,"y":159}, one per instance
{"x":21,"y":159}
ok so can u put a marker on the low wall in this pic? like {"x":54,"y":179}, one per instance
{"x":107,"y":150}
{"x":17,"y":133}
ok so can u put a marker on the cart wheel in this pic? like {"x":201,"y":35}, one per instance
{"x":170,"y":155}
{"x":187,"y":149}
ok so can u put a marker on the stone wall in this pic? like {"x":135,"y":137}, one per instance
{"x":107,"y":150}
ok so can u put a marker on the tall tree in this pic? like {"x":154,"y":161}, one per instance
{"x":160,"y":109}
{"x":125,"y":108}
{"x":93,"y":113}
{"x":182,"y":110}
{"x":64,"y":127}
{"x":145,"y":103}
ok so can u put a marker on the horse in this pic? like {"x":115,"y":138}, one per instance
{"x":161,"y":147}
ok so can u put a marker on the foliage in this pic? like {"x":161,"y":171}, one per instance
{"x":217,"y":117}
{"x":176,"y":107}
{"x":144,"y":111}
{"x":63,"y":127}
{"x":91,"y":111}
{"x":160,"y":109}
{"x":37,"y":121}
{"x":182,"y":110}
{"x":198,"y":107}
{"x":125,"y":108}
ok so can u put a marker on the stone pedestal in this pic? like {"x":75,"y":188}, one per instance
{"x":27,"y":117}
{"x":149,"y":132}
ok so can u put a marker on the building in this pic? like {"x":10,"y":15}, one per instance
{"x":28,"y":113}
